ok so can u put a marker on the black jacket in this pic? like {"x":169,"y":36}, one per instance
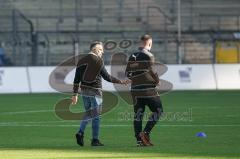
{"x":89,"y":72}
{"x":139,"y":70}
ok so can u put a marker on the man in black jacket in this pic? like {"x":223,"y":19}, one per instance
{"x":89,"y":72}
{"x":143,"y":89}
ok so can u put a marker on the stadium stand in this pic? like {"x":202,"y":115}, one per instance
{"x":57,"y":26}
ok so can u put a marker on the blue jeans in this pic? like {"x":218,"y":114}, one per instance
{"x":92,"y":106}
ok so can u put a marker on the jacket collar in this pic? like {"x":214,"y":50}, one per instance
{"x":143,"y":49}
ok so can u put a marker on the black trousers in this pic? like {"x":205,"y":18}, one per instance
{"x":155,"y":105}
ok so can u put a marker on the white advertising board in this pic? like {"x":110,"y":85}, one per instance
{"x":107,"y":86}
{"x":190,"y":77}
{"x":13,"y":80}
{"x":39,"y":79}
{"x":228,"y":76}
{"x":183,"y":77}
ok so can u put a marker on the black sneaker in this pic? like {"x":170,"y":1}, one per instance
{"x":96,"y":142}
{"x":79,"y":137}
{"x":140,"y":143}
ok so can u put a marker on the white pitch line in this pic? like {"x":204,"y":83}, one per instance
{"x":52,"y":110}
{"x":26,"y":125}
{"x":46,"y":123}
{"x":123,"y":125}
{"x":26,"y":112}
{"x":36,"y":122}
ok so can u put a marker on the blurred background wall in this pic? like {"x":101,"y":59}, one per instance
{"x":45,"y":32}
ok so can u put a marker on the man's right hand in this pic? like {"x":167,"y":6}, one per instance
{"x":126,"y":82}
{"x":74,"y":99}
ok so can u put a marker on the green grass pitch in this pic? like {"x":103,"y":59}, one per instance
{"x":29,"y":128}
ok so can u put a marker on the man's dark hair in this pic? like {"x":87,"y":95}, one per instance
{"x":145,"y":37}
{"x":93,"y":44}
